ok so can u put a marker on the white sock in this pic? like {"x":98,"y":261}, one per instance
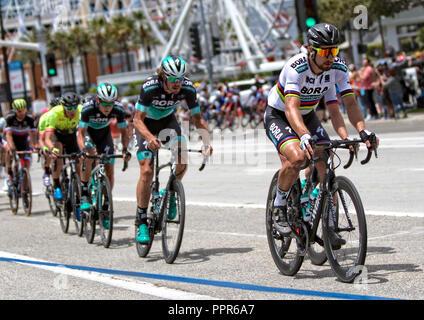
{"x":280,"y":198}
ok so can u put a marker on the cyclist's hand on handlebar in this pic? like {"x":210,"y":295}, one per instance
{"x":154,"y":144}
{"x":55,"y":152}
{"x":207,"y":150}
{"x":370,"y":139}
{"x":126,"y":154}
{"x":306,"y":142}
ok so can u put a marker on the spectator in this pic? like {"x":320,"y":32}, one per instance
{"x":355,"y":84}
{"x":394,"y":89}
{"x":366,"y":75}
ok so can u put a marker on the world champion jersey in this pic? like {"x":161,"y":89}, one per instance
{"x":297,"y":80}
{"x":159,"y":104}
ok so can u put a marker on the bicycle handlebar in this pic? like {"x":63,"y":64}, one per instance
{"x":103,"y":157}
{"x":185,"y":150}
{"x":345,"y":144}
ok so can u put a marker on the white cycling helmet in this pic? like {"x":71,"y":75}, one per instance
{"x":174,"y":66}
{"x":107,"y":92}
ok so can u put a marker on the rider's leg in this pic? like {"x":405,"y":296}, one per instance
{"x":56,"y":173}
{"x":143,"y":197}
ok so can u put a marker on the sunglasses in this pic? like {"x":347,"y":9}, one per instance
{"x":326,"y":52}
{"x":20,"y":110}
{"x":107,"y":104}
{"x":71,"y":108}
{"x":175,"y":79}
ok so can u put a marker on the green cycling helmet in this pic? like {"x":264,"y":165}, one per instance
{"x":19,"y":104}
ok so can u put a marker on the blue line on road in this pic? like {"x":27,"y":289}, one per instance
{"x":214,"y":283}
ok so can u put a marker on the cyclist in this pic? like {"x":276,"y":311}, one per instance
{"x":19,"y":125}
{"x":290,"y":121}
{"x":60,"y":133}
{"x":94,"y":130}
{"x":155,"y":115}
{"x":42,"y":123}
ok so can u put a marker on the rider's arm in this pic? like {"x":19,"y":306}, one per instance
{"x":9,"y":139}
{"x":142,"y":129}
{"x":81,"y":137}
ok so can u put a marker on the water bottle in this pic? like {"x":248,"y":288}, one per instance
{"x":93,"y":195}
{"x":304,"y":198}
{"x":310,"y":206}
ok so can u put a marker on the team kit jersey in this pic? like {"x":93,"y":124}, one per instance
{"x":297,"y":80}
{"x":160,"y":107}
{"x":98,"y":125}
{"x":20,"y":129}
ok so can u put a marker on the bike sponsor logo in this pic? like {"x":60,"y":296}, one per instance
{"x":317,"y":90}
{"x":298,"y":62}
{"x":164,"y":103}
{"x":276,"y":131}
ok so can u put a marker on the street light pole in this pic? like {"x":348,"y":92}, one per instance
{"x":4,"y":52}
{"x":208,"y":53}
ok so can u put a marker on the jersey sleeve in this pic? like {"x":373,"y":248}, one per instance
{"x":289,"y":83}
{"x":330,"y":96}
{"x":121,"y":116}
{"x":342,"y":79}
{"x":84,"y":116}
{"x":145,"y":99}
{"x":191,"y":97}
{"x":51,"y":122}
{"x":31,"y":124}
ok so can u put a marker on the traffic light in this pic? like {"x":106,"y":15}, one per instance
{"x":195,"y":41}
{"x":307,"y":14}
{"x":51,"y":65}
{"x":216,"y":45}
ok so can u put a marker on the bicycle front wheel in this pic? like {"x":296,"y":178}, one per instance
{"x":283,"y":246}
{"x":49,"y":195}
{"x":173,"y":222}
{"x":105,"y":209}
{"x":348,"y":260}
{"x":13,"y":199}
{"x":75,"y":202}
{"x":26,"y":192}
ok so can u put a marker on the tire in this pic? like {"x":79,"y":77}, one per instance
{"x":75,"y":202}
{"x":143,"y":249}
{"x":13,"y":199}
{"x":173,"y":230}
{"x":64,"y":212}
{"x":49,"y":196}
{"x":283,"y":247}
{"x":26,"y":192}
{"x":89,"y":219}
{"x":347,"y":262}
{"x":316,"y":252}
{"x":105,"y":213}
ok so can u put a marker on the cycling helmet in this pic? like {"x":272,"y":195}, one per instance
{"x":107,"y":92}
{"x":174,"y":66}
{"x":323,"y":34}
{"x":54,"y":102}
{"x":19,"y":104}
{"x":70,"y":99}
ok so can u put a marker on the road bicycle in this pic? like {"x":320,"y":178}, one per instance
{"x":101,"y":201}
{"x":337,"y":207}
{"x":159,"y":221}
{"x":20,"y":186}
{"x":69,"y":206}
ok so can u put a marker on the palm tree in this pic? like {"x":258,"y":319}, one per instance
{"x":30,"y":56}
{"x":97,"y":28}
{"x":122,"y":29}
{"x":143,"y":36}
{"x":81,"y":39}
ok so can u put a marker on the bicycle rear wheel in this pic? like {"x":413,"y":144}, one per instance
{"x":105,"y":205}
{"x":26,"y":192}
{"x":64,"y":210}
{"x":283,"y":246}
{"x":173,"y":226}
{"x":75,"y":202}
{"x":348,"y":261}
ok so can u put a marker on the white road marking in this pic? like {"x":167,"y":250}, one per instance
{"x":112,"y":280}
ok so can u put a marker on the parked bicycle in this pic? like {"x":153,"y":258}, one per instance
{"x":20,"y":186}
{"x":337,"y":205}
{"x":69,"y":206}
{"x":159,"y":220}
{"x":101,"y":210}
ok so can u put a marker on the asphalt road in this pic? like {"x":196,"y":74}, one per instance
{"x":225,"y":254}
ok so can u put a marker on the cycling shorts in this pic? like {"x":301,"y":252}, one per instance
{"x":68,"y":141}
{"x":167,"y":130}
{"x":279,"y":131}
{"x":102,"y":140}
